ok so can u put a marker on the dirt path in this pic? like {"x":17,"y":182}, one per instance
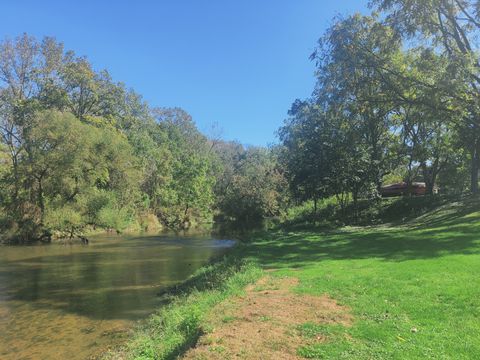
{"x":264,"y":323}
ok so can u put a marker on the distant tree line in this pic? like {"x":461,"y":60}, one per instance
{"x":81,"y":151}
{"x":397,"y":98}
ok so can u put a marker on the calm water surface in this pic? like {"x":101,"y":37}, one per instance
{"x":73,"y":301}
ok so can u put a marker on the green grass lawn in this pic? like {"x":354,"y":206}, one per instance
{"x":413,"y":290}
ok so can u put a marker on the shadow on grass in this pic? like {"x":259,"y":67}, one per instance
{"x":368,"y":212}
{"x":192,"y":332}
{"x":210,"y":277}
{"x":441,"y":233}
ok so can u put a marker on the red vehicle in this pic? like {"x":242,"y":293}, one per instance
{"x":402,"y":189}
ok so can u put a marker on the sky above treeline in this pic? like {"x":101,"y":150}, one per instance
{"x":239,"y":64}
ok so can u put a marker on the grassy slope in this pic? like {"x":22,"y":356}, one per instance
{"x":422,"y":277}
{"x":425,"y":276}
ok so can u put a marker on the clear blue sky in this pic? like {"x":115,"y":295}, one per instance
{"x":238,"y":63}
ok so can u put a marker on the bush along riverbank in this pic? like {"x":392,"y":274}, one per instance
{"x":406,"y":291}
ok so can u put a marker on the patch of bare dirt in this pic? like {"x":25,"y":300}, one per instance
{"x":263,"y":323}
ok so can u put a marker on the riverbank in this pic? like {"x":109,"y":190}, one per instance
{"x":407,"y":291}
{"x":181,"y":320}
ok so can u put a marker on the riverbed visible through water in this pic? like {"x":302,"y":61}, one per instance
{"x":73,"y":301}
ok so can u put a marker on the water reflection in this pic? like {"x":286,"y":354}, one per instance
{"x":68,"y":297}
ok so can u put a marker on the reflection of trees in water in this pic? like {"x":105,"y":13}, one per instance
{"x":107,"y":282}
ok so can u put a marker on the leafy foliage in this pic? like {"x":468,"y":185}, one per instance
{"x":387,"y":110}
{"x":78,"y":151}
{"x":256,"y":188}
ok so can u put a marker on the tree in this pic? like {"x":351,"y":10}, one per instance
{"x":66,"y":162}
{"x":188,"y":191}
{"x":450,"y":26}
{"x":339,"y":142}
{"x":354,"y":62}
{"x":256,"y":188}
{"x":304,"y":152}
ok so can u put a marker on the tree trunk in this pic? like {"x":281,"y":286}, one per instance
{"x":315,"y":206}
{"x":474,"y":174}
{"x":41,"y":202}
{"x":355,"y":205}
{"x":474,"y":170}
{"x":429,"y":176}
{"x":431,"y":186}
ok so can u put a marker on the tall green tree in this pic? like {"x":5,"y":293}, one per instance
{"x":305,"y":153}
{"x":452,"y":27}
{"x":188,"y":191}
{"x":354,"y":59}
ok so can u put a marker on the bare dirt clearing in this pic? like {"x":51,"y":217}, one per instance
{"x":264,"y":323}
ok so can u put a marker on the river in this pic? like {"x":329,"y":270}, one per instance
{"x":73,"y":301}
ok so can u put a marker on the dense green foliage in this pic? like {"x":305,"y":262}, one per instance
{"x":396,"y":100}
{"x":254,"y":188}
{"x":80,"y":151}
